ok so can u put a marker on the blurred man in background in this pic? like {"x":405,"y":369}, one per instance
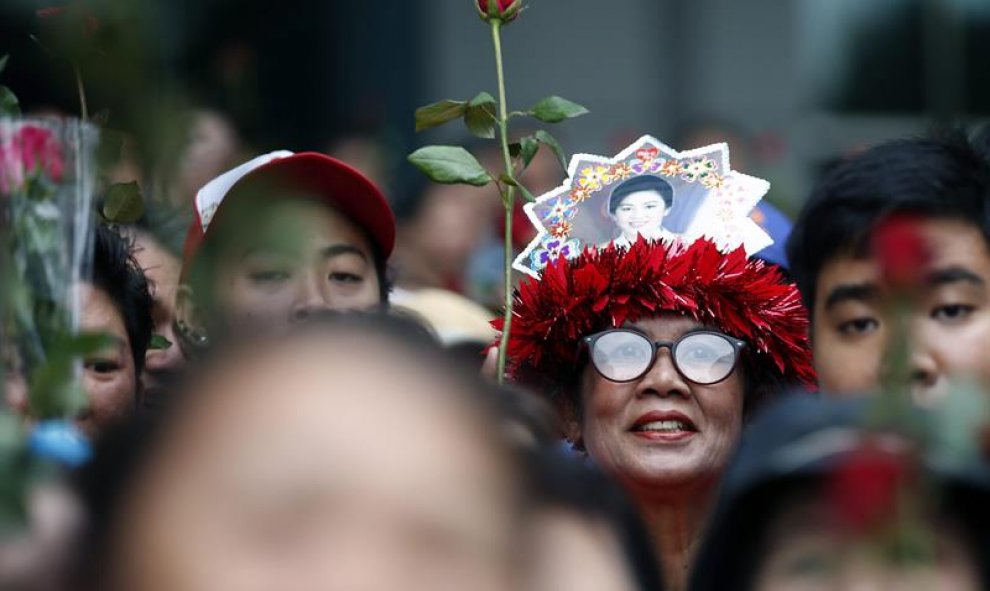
{"x":941,"y":185}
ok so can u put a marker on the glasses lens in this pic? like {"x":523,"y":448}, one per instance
{"x":705,"y":358}
{"x":621,"y":355}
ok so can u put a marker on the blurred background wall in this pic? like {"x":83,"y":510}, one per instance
{"x":792,"y":84}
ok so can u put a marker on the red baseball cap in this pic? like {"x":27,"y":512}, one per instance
{"x":338,"y":185}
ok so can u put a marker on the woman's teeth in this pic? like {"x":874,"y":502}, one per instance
{"x":665,"y":426}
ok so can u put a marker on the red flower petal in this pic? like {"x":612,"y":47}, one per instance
{"x":900,"y":251}
{"x":605,"y":288}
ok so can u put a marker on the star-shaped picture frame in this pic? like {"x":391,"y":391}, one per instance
{"x":647,"y":190}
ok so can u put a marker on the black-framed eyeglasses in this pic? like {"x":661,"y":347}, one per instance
{"x":703,"y":357}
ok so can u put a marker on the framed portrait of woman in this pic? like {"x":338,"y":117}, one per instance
{"x":646,"y":192}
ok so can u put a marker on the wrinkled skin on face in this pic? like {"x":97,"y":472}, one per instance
{"x":650,"y":464}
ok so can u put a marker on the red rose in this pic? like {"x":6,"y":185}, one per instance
{"x":90,"y":24}
{"x":901,"y":251}
{"x":39,"y":152}
{"x":503,"y":10}
{"x":11,"y":171}
{"x":863,"y":489}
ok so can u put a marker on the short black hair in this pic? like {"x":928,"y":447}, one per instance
{"x":646,"y":182}
{"x":117,"y":274}
{"x":944,"y":175}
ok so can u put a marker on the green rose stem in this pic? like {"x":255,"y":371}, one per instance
{"x":508,"y":197}
{"x":486,"y":119}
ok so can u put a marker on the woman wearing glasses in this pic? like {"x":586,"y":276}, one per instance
{"x":654,"y":356}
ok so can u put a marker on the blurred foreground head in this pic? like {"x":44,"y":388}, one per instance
{"x":345,"y":455}
{"x":816,"y":501}
{"x":584,"y":533}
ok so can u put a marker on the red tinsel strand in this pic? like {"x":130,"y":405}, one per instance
{"x":605,"y":288}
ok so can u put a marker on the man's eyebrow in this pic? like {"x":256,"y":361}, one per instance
{"x":850,"y":291}
{"x":335,"y":250}
{"x":953,"y":275}
{"x":114,"y":341}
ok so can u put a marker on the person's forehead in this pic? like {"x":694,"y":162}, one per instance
{"x":951,"y":244}
{"x":293,"y":225}
{"x":336,"y":372}
{"x":666,"y":325}
{"x":156,"y":261}
{"x":100,"y":314}
{"x":335,"y":404}
{"x":643,"y":195}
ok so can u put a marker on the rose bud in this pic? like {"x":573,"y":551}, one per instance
{"x":864,"y":487}
{"x":502,"y":10}
{"x":901,"y":251}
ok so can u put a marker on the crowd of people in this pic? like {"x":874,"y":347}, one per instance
{"x":677,"y":415}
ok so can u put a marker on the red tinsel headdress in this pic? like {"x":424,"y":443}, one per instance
{"x":600,"y":289}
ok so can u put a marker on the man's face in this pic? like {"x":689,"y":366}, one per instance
{"x":109,"y":375}
{"x":949,"y":320}
{"x":162,"y":269}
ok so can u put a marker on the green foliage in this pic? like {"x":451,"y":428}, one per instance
{"x":450,"y":165}
{"x":55,"y":392}
{"x":438,"y":113}
{"x":479,"y":117}
{"x":9,"y":105}
{"x":508,"y":180}
{"x":548,"y":140}
{"x":554,"y":109}
{"x":478,"y":114}
{"x":525,"y":149}
{"x":957,"y":424}
{"x":13,"y":476}
{"x":123,"y":203}
{"x":159,"y":343}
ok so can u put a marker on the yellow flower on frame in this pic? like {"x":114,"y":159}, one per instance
{"x":561,"y":230}
{"x":592,"y":177}
{"x":580,"y":194}
{"x":621,"y":171}
{"x":713,"y":180}
{"x":670,"y":168}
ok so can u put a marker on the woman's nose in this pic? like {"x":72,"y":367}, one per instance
{"x":663,"y":379}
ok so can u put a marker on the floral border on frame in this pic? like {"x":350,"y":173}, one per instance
{"x":724,"y":215}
